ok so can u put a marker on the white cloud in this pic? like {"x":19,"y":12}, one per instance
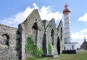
{"x":79,"y":36}
{"x":17,"y":18}
{"x":83,"y":18}
{"x":45,"y":12}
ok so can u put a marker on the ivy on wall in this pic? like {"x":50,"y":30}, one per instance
{"x":49,"y":48}
{"x":32,"y":48}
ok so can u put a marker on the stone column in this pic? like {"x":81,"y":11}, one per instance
{"x":23,"y":43}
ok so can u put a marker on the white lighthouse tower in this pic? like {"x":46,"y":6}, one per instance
{"x":67,"y":29}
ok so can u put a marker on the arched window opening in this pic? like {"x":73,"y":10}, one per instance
{"x":35,"y":31}
{"x":52,"y":36}
{"x":61,"y":33}
{"x":44,"y":44}
{"x":58,"y":45}
{"x":6,"y":37}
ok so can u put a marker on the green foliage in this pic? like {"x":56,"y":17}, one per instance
{"x":49,"y":48}
{"x":32,"y":48}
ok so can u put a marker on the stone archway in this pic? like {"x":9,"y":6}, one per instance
{"x":35,"y":31}
{"x":6,"y":37}
{"x":58,"y":45}
{"x":52,"y":36}
{"x":44,"y":45}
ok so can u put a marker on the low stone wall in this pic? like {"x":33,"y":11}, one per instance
{"x":7,"y":43}
{"x":4,"y":55}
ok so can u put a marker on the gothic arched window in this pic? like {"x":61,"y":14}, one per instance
{"x":61,"y":33}
{"x":35,"y":31}
{"x":52,"y":36}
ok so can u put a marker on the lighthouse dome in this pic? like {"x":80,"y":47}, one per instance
{"x":66,"y":10}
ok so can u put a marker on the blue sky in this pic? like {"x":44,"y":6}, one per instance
{"x":11,"y":8}
{"x":78,"y":8}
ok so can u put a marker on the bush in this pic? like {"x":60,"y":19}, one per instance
{"x":32,"y":48}
{"x":49,"y":48}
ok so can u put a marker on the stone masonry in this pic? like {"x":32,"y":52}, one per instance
{"x":7,"y":43}
{"x":13,"y":40}
{"x":42,"y":32}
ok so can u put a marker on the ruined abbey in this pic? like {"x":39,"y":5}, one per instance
{"x":42,"y":32}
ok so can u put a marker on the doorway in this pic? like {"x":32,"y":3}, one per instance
{"x":58,"y":45}
{"x":44,"y":45}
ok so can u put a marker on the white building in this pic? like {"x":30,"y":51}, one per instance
{"x":67,"y":30}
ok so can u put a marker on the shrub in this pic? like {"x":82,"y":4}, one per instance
{"x":49,"y":48}
{"x":32,"y":48}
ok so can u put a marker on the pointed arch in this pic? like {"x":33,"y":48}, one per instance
{"x":61,"y":33}
{"x":44,"y":44}
{"x":58,"y":45}
{"x":35,"y":31}
{"x":52,"y":36}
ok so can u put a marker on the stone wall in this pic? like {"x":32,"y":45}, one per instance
{"x":42,"y":33}
{"x":60,"y":37}
{"x":31,"y":27}
{"x":7,"y":42}
{"x":13,"y":40}
{"x":51,"y":32}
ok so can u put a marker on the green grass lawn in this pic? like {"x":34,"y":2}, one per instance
{"x":78,"y":56}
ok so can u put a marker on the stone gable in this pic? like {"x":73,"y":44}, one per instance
{"x":43,"y":32}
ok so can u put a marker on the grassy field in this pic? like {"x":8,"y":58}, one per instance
{"x":78,"y":56}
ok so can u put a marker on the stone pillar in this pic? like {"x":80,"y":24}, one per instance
{"x":23,"y":43}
